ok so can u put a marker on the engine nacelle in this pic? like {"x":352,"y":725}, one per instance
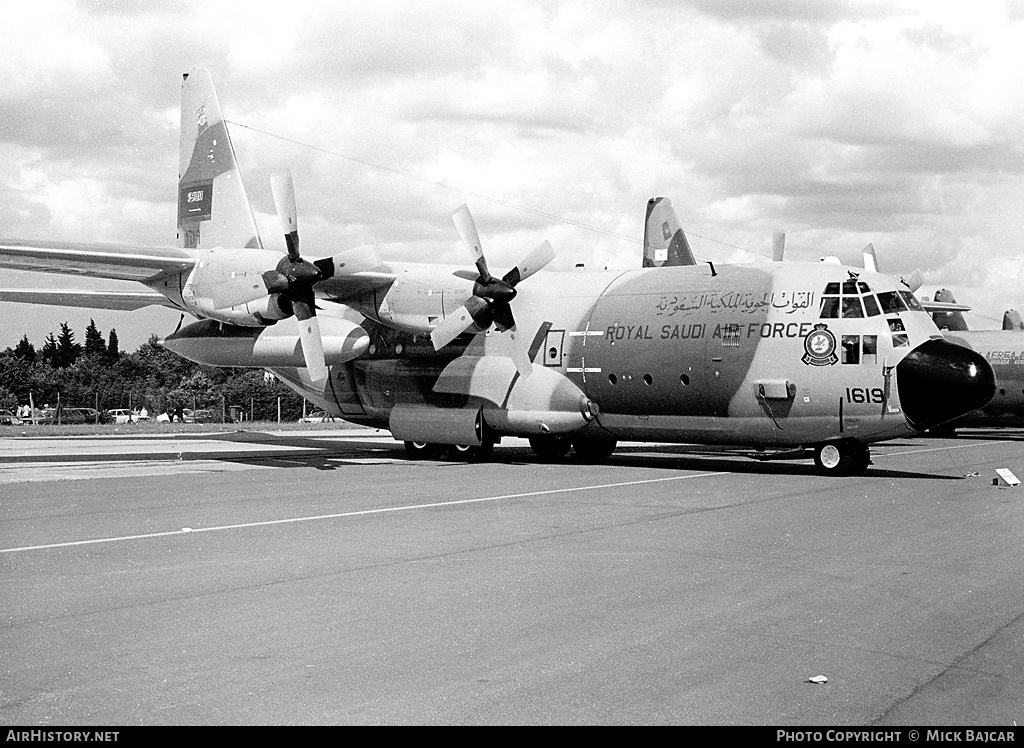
{"x":219,"y":266}
{"x":543,"y":403}
{"x":215,"y":344}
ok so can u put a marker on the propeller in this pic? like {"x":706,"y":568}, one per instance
{"x":778,"y":245}
{"x":292,"y":280}
{"x":490,"y":302}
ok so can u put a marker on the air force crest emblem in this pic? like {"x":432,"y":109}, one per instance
{"x":820,"y":347}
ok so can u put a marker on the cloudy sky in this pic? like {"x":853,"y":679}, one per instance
{"x":840,"y":122}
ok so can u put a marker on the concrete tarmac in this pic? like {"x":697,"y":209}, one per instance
{"x":322,"y":578}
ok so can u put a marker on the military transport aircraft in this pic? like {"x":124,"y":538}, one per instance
{"x":810,"y":359}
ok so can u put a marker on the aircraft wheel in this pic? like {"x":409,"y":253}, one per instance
{"x":594,"y":450}
{"x":473,"y":452}
{"x":841,"y":458}
{"x":550,"y":448}
{"x":422,"y":450}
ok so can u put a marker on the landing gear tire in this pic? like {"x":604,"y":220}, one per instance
{"x":422,"y":450}
{"x":841,"y":458}
{"x":593,"y":451}
{"x":550,"y":448}
{"x":473,"y":452}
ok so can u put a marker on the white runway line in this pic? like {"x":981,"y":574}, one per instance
{"x":361,"y":513}
{"x":941,"y":449}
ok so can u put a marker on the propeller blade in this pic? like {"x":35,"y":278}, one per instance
{"x":870,"y":261}
{"x":451,"y":327}
{"x":312,"y":346}
{"x":778,"y":246}
{"x":534,"y":261}
{"x":466,"y":227}
{"x":507,"y":344}
{"x":503,"y":318}
{"x":284,"y":200}
{"x":915,"y":281}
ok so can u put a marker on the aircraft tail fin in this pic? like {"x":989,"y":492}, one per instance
{"x":1012,"y":320}
{"x":213,"y":209}
{"x":665,"y":243}
{"x":953,"y":321}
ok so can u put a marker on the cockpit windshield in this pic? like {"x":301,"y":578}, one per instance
{"x":854,"y":299}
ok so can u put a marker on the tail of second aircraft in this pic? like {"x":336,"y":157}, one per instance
{"x":213,"y":210}
{"x":664,"y":241}
{"x":953,"y":321}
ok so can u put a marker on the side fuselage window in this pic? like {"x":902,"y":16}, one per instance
{"x":851,"y":349}
{"x":870,"y":349}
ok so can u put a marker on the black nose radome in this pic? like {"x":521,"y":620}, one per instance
{"x":939,"y":381}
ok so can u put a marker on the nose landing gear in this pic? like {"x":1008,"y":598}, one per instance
{"x":845,"y":457}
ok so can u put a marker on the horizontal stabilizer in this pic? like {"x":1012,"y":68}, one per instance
{"x":944,"y":306}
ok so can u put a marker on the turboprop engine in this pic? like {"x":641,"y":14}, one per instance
{"x":215,"y":344}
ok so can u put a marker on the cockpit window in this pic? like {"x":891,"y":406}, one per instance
{"x":871,"y":306}
{"x":891,"y":302}
{"x":852,"y":308}
{"x":829,"y":307}
{"x":912,"y":302}
{"x":850,"y":299}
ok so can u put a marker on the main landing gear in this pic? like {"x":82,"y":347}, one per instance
{"x":464,"y":452}
{"x":845,"y":457}
{"x":548,"y":448}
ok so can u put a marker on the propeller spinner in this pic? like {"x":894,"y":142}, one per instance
{"x":490,"y":302}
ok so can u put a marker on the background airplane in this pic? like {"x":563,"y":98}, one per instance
{"x":788,"y":359}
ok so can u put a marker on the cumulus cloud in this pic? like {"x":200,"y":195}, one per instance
{"x":840,"y":122}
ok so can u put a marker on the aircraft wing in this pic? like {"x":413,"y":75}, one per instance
{"x":114,"y":261}
{"x":126,"y":301}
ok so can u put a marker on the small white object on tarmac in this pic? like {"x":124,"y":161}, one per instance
{"x":1007,"y":477}
{"x":817,"y":679}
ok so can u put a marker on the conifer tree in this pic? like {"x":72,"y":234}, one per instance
{"x":50,"y":350}
{"x":68,"y":350}
{"x":25,"y":350}
{"x":113,"y":352}
{"x":94,"y":345}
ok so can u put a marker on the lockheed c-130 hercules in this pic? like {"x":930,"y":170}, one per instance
{"x":786,"y":359}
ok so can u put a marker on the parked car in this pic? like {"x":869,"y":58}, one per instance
{"x":81,"y":415}
{"x":121,"y":415}
{"x":199,"y":416}
{"x":319,"y":416}
{"x":71,"y":416}
{"x":7,"y":418}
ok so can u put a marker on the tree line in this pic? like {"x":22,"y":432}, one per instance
{"x":97,"y":374}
